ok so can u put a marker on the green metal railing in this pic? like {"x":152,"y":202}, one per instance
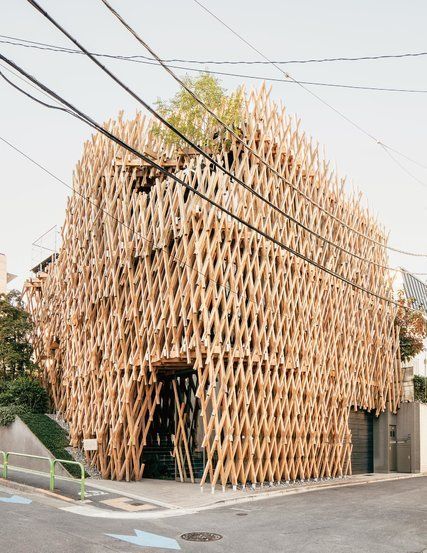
{"x":52,"y":464}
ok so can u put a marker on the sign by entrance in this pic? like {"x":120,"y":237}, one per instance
{"x":90,"y":444}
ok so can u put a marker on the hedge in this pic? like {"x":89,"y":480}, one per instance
{"x":52,"y":436}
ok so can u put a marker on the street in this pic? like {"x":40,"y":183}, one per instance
{"x":382,"y":517}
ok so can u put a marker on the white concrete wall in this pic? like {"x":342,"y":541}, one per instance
{"x":419,"y":362}
{"x":423,"y":437}
{"x":18,"y":437}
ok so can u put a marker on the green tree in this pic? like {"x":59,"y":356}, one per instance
{"x":420,"y":392}
{"x":188,"y":116}
{"x":412,"y":330}
{"x":15,"y":327}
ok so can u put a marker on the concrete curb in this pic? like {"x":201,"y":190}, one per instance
{"x":26,"y":488}
{"x":174,"y":510}
{"x":131,"y":495}
{"x":271,"y":494}
{"x":96,"y":512}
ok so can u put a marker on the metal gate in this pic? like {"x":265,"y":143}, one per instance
{"x":362,"y":437}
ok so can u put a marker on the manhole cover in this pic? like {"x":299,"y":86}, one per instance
{"x":201,"y":536}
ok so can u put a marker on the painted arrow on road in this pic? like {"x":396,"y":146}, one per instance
{"x":146,"y":539}
{"x":16,"y":499}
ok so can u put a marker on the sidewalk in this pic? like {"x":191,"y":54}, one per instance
{"x":177,"y":495}
{"x":155,"y":499}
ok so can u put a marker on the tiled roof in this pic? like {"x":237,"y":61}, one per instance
{"x":416,"y":290}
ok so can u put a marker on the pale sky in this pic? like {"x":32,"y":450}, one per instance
{"x":31,"y":202}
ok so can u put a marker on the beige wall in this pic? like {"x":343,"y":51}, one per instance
{"x":18,"y":437}
{"x":3,"y":273}
{"x":5,"y":277}
{"x":423,"y":437}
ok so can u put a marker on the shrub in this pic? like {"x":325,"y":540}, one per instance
{"x":9,"y":412}
{"x":52,"y":436}
{"x":420,"y":388}
{"x":25,"y":392}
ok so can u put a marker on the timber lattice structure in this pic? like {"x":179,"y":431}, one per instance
{"x":280,"y":350}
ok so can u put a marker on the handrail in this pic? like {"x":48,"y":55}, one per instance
{"x":82,"y":478}
{"x":7,"y":454}
{"x":52,"y":464}
{"x":3,"y":454}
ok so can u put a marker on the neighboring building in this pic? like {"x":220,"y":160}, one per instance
{"x":400,"y":440}
{"x":5,"y":277}
{"x":414,"y":290}
{"x":185,"y":344}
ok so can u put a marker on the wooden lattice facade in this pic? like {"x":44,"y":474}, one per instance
{"x":280,"y":349}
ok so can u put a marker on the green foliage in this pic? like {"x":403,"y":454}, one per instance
{"x":412,"y":330}
{"x":15,"y":327}
{"x":189,"y":117}
{"x":26,"y":392}
{"x":9,"y":412}
{"x":52,"y":436}
{"x":420,"y":383}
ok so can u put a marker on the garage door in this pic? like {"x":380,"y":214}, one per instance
{"x":362,"y":455}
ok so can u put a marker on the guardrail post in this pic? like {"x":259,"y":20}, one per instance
{"x":82,"y":483}
{"x":82,"y":470}
{"x":52,"y":475}
{"x":52,"y":464}
{"x":5,"y":463}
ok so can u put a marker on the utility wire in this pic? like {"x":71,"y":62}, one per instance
{"x":151,"y":61}
{"x":308,"y":198}
{"x":92,"y":123}
{"x":240,"y":140}
{"x":191,"y":143}
{"x":50,"y":106}
{"x":118,"y":221}
{"x":249,"y":62}
{"x":237,"y":137}
{"x":300,"y":83}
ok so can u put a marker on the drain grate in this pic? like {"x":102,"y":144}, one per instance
{"x":201,"y":536}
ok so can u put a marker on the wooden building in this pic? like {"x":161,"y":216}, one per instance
{"x":172,"y":333}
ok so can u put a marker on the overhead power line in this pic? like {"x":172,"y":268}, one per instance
{"x":92,"y":123}
{"x":158,"y":59}
{"x":248,"y":62}
{"x":241,"y":141}
{"x":29,"y":83}
{"x":171,"y":127}
{"x":118,"y":221}
{"x":302,"y":85}
{"x":291,"y":184}
{"x":194,"y":145}
{"x":146,"y":60}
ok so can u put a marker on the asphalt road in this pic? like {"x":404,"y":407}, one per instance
{"x":375,"y":518}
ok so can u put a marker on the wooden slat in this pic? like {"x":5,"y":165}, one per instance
{"x":281,"y":349}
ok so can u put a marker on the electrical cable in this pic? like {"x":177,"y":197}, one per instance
{"x":151,"y":61}
{"x":247,"y":62}
{"x":366,"y":237}
{"x":92,"y":123}
{"x":190,"y":142}
{"x":118,"y":221}
{"x":288,"y":76}
{"x":227,"y":127}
